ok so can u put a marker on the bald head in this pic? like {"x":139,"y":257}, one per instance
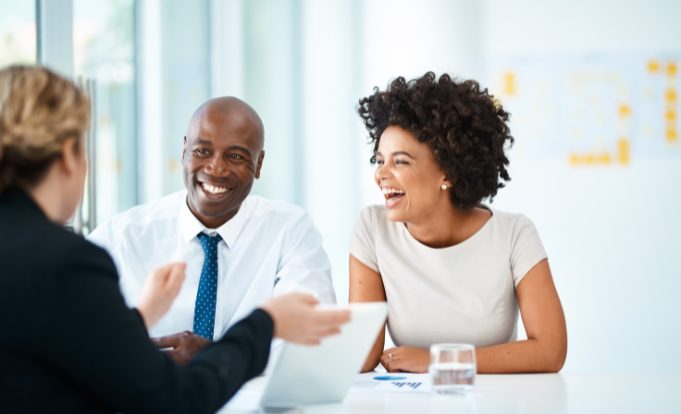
{"x":222,"y":155}
{"x":227,"y":112}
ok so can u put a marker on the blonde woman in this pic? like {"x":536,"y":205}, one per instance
{"x":69,"y":343}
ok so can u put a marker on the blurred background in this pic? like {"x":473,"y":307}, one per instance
{"x":592,"y":87}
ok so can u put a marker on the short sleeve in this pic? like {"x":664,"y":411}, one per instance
{"x":362,"y":244}
{"x":526,"y":250}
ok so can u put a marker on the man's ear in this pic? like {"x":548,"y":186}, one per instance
{"x":259,"y":165}
{"x":184,"y":146}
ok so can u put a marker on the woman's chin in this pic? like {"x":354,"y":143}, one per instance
{"x":396,"y":215}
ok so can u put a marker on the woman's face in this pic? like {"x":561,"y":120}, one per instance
{"x":76,"y":157}
{"x":409,"y":178}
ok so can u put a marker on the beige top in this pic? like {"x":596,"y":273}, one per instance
{"x":462,"y":293}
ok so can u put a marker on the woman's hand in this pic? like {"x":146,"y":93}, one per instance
{"x":406,"y":359}
{"x":297,"y":319}
{"x":160,"y":290}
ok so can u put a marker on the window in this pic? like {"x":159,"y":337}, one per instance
{"x":104,"y":51}
{"x":17,"y":32}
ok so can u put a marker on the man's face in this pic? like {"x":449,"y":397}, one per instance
{"x":221,"y":157}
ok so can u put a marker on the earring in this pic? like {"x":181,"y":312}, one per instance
{"x":443,"y":187}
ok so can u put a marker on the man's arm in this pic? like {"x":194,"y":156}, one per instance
{"x":304,"y":265}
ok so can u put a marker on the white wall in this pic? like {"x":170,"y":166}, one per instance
{"x":613,"y":234}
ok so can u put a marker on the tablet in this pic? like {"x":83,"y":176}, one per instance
{"x":324,"y":373}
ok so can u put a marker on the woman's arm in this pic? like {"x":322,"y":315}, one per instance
{"x":95,"y":341}
{"x":545,"y":348}
{"x":366,"y":286}
{"x":543,"y":351}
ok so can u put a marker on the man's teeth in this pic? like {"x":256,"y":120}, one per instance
{"x":213,"y":189}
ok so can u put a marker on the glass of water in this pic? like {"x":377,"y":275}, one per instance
{"x":452,"y":368}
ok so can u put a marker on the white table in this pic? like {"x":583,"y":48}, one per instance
{"x":532,"y":393}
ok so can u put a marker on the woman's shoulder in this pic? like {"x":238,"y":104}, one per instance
{"x":375,"y":218}
{"x":63,"y":244}
{"x":511,"y":223}
{"x":509,"y":218}
{"x":372,"y":213}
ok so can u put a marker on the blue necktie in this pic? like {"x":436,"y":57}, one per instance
{"x":204,"y":308}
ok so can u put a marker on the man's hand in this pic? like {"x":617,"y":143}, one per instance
{"x":406,"y":359}
{"x":181,"y":347}
{"x":297,"y":319}
{"x":160,"y":290}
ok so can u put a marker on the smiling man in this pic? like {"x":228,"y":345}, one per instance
{"x":240,"y":249}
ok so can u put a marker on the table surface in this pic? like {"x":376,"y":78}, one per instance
{"x":518,"y":393}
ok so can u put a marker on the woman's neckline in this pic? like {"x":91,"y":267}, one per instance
{"x":474,"y":235}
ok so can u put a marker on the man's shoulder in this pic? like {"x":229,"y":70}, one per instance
{"x":274,"y":209}
{"x":161,"y":209}
{"x":141,"y":217}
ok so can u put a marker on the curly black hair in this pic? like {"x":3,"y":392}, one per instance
{"x":461,"y":123}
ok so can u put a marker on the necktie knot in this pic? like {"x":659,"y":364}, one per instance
{"x":209,"y":243}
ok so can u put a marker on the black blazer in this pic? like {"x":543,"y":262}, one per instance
{"x":69,"y":344}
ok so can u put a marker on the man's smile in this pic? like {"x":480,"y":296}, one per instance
{"x":213,"y":189}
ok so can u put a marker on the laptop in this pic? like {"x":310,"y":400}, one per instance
{"x":324,"y":373}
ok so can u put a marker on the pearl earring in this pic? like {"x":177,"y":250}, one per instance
{"x":443,"y":187}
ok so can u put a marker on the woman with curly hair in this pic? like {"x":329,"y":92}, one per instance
{"x":450,"y":268}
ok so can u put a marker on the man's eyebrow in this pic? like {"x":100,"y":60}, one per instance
{"x":239,"y":148}
{"x":201,"y":141}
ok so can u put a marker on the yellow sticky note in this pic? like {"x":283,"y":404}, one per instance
{"x":653,"y":66}
{"x":624,"y":110}
{"x":510,"y":87}
{"x":623,"y":151}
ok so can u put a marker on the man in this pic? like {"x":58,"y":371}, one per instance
{"x":239,"y":249}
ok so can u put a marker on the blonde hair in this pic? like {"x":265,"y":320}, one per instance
{"x":39,"y":111}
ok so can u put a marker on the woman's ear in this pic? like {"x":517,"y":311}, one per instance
{"x":445,"y":184}
{"x":71,"y":152}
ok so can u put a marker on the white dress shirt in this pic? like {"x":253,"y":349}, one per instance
{"x":268,"y":248}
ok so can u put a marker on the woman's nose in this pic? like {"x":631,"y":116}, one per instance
{"x":381,"y":171}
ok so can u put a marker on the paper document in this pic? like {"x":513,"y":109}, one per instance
{"x":392,"y":382}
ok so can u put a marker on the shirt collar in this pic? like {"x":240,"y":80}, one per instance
{"x":189,"y":226}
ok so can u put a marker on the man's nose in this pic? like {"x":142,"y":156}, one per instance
{"x":217,"y":166}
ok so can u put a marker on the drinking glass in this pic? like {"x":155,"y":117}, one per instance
{"x":452,"y":368}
